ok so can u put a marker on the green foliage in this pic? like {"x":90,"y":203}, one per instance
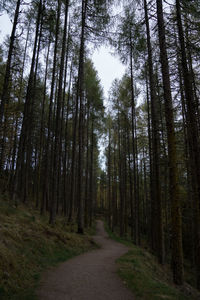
{"x":130,"y":36}
{"x":94,"y":92}
{"x":147,"y":279}
{"x":98,"y":18}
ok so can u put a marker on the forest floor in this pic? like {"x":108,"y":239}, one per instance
{"x":29,"y":245}
{"x":90,"y":276}
{"x":96,"y":275}
{"x":149,"y":280}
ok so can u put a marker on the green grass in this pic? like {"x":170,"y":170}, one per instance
{"x":147,"y":279}
{"x":28,"y":245}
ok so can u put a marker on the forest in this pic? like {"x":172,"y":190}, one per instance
{"x":55,"y":122}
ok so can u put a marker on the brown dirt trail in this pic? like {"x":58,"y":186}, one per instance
{"x":90,"y":276}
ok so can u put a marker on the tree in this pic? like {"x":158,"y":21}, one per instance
{"x":156,"y":201}
{"x":58,"y":121}
{"x":176,"y":240}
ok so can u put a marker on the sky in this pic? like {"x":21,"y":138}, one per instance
{"x":5,"y":26}
{"x":108,"y":67}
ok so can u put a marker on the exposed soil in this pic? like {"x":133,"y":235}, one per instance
{"x":90,"y":276}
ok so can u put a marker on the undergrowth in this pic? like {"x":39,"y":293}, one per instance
{"x":28,"y":245}
{"x":147,"y":279}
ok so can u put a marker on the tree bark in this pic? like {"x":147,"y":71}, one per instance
{"x":58,"y":122}
{"x":176,"y":240}
{"x":155,"y":148}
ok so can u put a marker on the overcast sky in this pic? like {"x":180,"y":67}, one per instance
{"x":5,"y":26}
{"x":108,"y":67}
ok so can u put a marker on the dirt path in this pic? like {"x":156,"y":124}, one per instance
{"x":90,"y":276}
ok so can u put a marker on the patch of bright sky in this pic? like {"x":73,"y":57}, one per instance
{"x":108,"y":67}
{"x":5,"y":26}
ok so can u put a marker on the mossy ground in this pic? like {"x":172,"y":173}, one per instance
{"x":28,"y":245}
{"x":147,"y":279}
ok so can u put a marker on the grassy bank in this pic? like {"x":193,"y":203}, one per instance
{"x":28,"y":245}
{"x":147,"y":279}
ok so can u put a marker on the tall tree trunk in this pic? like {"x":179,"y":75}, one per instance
{"x":155,"y":148}
{"x":109,"y":177}
{"x":42,"y":123}
{"x":66,"y":152}
{"x":58,"y":121}
{"x":130,"y":187}
{"x":86,"y":214}
{"x":21,"y":172}
{"x":136,"y":216}
{"x":176,"y":239}
{"x":46,"y":163}
{"x":91,"y":182}
{"x":5,"y":91}
{"x":28,"y":120}
{"x":151,"y":208}
{"x":13,"y":179}
{"x":81,"y":116}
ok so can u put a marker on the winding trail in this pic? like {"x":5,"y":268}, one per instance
{"x":90,"y":276}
